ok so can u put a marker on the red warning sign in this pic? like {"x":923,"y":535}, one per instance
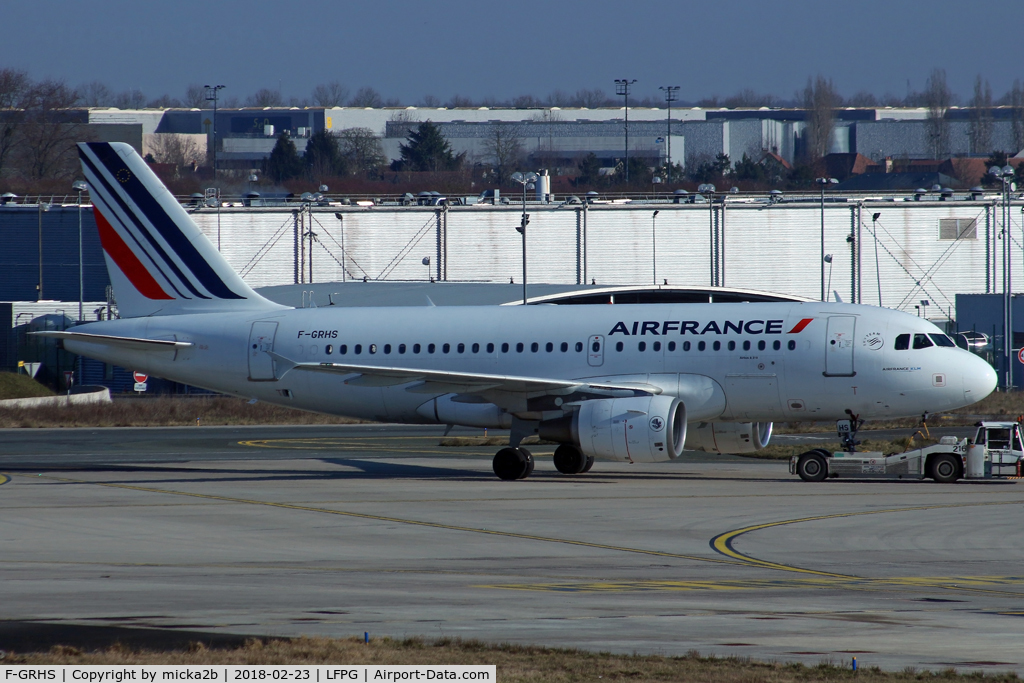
{"x":140,"y":377}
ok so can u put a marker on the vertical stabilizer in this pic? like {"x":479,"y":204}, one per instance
{"x":160,"y":263}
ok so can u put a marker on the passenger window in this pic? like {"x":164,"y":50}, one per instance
{"x":717,"y":346}
{"x":549,"y":347}
{"x":671,"y":346}
{"x":686,"y":346}
{"x":328,"y":349}
{"x":373,"y":348}
{"x":732,"y":346}
{"x":343,"y":349}
{"x":431,"y":348}
{"x":761,"y":345}
{"x":701,"y":346}
{"x":504,"y":347}
{"x":534,"y":347}
{"x":401,"y":348}
{"x":490,"y":348}
{"x":446,"y":348}
{"x":746,"y":345}
{"x":642,"y":346}
{"x":387,"y":348}
{"x":595,"y":347}
{"x":461,"y":348}
{"x":902,"y":342}
{"x":519,"y":347}
{"x":579,"y":347}
{"x":776,"y":345}
{"x":942,"y":340}
{"x":564,"y":347}
{"x":791,"y":345}
{"x":921,"y":341}
{"x":358,"y":349}
{"x":656,"y":346}
{"x":476,"y":348}
{"x":416,"y":348}
{"x":618,"y":346}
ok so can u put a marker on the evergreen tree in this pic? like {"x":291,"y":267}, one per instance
{"x":428,"y":150}
{"x":323,"y":156}
{"x":590,"y":170}
{"x":284,"y":161}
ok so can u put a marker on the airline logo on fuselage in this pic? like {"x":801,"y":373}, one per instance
{"x":697,"y":327}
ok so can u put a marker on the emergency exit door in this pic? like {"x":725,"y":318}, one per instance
{"x":261,"y":342}
{"x":839,"y":346}
{"x":595,"y":350}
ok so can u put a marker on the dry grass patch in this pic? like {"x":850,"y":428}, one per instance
{"x":16,"y":385}
{"x":164,"y":411}
{"x":513,"y":662}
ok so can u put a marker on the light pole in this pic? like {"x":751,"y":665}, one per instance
{"x":878,"y":271}
{"x":211,"y":95}
{"x":654,"y":247}
{"x":823,"y":182}
{"x":80,"y":186}
{"x":828,"y":259}
{"x":670,"y":97}
{"x":622,"y":86}
{"x":1005,"y":176}
{"x":708,"y":190}
{"x":526,"y":180}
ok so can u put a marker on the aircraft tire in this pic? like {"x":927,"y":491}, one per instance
{"x":510,"y":464}
{"x":812,"y":467}
{"x":530,"y":462}
{"x":944,"y":469}
{"x":590,"y":463}
{"x":569,"y":459}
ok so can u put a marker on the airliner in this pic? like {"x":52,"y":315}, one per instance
{"x":629,"y":383}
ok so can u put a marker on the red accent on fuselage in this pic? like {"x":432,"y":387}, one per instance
{"x":799,"y":327}
{"x":127,"y":261}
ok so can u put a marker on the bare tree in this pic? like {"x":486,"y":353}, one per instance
{"x":430,"y":101}
{"x":95,"y":94}
{"x":132,"y":98}
{"x":504,"y":148}
{"x":938,"y":98}
{"x":366,"y":97}
{"x":265,"y":97}
{"x":165,"y":101}
{"x":48,"y":133}
{"x":362,"y":150}
{"x":750,"y":98}
{"x":457,"y":101}
{"x":589,"y":99}
{"x":820,"y":99}
{"x":331,"y":94}
{"x":558,"y":98}
{"x":862,"y":98}
{"x":13,"y":86}
{"x":298,"y":102}
{"x":526,"y":102}
{"x":981,"y":117}
{"x":180,"y":150}
{"x":195,"y":96}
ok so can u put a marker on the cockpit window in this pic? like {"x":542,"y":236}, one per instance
{"x":921,"y":341}
{"x":903,"y":342}
{"x":941,"y":340}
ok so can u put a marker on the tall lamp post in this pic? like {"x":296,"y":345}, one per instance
{"x":80,"y":186}
{"x":1005,"y":175}
{"x":622,"y":86}
{"x":708,"y":190}
{"x":823,"y":182}
{"x":654,"y":246}
{"x":211,"y":95}
{"x":527,"y":180}
{"x":670,"y":97}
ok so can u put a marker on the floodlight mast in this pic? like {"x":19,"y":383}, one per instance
{"x":1005,"y":176}
{"x":823,"y":182}
{"x":211,"y":95}
{"x":526,"y":180}
{"x":622,"y":86}
{"x":670,"y":97}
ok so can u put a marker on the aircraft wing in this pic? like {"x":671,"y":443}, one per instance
{"x":132,"y":343}
{"x":445,"y":381}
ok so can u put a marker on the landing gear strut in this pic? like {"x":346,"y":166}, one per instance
{"x":513,"y":463}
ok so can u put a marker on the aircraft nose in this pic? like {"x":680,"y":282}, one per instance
{"x":979,"y":379}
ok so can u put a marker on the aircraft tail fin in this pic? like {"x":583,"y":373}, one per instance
{"x":159,"y":261}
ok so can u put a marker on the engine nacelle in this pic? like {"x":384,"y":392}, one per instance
{"x":729,"y":437}
{"x":638,"y":429}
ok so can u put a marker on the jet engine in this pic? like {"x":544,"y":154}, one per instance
{"x":637,"y":429}
{"x":729,"y":437}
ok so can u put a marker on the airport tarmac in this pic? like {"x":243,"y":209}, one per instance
{"x":337,"y":530}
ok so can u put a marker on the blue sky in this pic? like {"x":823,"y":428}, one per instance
{"x":408,"y":49}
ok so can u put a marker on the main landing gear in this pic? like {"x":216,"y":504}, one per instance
{"x":517,"y":463}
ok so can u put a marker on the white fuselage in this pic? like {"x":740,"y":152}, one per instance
{"x":729,"y":362}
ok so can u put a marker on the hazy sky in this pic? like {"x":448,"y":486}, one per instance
{"x":409,"y":49}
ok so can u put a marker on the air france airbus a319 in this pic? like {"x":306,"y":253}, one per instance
{"x":636,"y":383}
